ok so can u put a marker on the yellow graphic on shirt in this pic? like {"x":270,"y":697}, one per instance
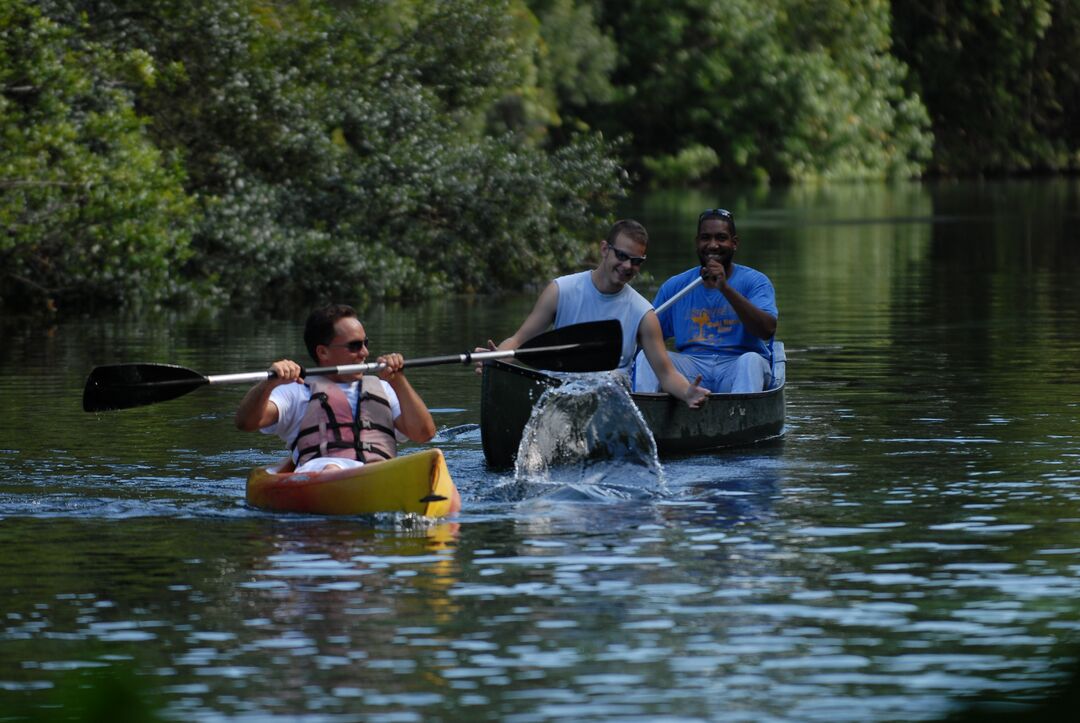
{"x":709,"y":330}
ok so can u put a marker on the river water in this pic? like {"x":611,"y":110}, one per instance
{"x":911,"y":547}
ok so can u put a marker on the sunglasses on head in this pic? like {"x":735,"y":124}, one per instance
{"x":623,"y":257}
{"x":353,"y":346}
{"x":715,"y":213}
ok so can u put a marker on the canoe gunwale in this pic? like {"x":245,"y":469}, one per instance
{"x":508,"y":392}
{"x":647,"y":396}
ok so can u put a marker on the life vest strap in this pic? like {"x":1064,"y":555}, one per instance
{"x":368,"y":396}
{"x":335,"y":427}
{"x":321,"y":449}
{"x":368,"y":424}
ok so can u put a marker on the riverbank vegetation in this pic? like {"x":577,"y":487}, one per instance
{"x":221,"y":152}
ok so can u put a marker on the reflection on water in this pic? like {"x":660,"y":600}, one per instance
{"x":910,"y":546}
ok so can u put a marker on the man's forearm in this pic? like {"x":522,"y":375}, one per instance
{"x":250,"y":412}
{"x":415,"y":421}
{"x":757,"y":322}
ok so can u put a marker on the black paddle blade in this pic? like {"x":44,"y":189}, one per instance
{"x":593,"y":346}
{"x":120,"y":386}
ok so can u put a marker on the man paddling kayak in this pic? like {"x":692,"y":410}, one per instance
{"x":337,"y":421}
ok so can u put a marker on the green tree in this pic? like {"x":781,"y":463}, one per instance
{"x":571,"y":64}
{"x":787,"y":90}
{"x":1000,"y":79}
{"x":333,"y":149}
{"x":92,"y":212}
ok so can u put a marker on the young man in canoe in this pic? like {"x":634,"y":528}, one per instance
{"x":722,"y":327}
{"x":605,"y":293}
{"x":315,"y":416}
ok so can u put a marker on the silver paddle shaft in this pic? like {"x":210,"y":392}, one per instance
{"x":464,"y":358}
{"x":681,"y":293}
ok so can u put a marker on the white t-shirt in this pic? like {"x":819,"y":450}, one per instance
{"x":292,"y":401}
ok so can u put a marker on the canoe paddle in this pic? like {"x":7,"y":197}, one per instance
{"x":589,"y":347}
{"x":680,"y":293}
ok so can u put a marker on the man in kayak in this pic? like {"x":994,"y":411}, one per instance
{"x":722,"y":327}
{"x":341,"y":420}
{"x":605,"y":293}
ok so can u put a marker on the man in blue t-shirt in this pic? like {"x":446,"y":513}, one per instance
{"x":723,"y":326}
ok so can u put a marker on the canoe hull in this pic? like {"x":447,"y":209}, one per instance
{"x":416,"y":483}
{"x":509,"y":391}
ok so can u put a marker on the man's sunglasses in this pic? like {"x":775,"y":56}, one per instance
{"x":715,"y":213}
{"x":354,"y":346}
{"x":623,"y":257}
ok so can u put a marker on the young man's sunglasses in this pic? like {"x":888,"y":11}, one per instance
{"x":623,"y":257}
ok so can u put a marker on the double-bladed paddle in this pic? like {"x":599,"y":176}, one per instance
{"x":589,"y":347}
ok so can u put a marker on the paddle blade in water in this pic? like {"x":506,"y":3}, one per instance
{"x":593,"y":346}
{"x":120,"y":386}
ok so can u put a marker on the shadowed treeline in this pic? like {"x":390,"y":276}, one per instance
{"x":231,"y":152}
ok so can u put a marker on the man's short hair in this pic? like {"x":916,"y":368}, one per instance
{"x":629,"y":228}
{"x":319,"y":328}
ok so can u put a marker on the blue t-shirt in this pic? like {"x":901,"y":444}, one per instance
{"x":703,"y":322}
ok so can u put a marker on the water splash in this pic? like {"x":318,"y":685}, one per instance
{"x":586,"y":440}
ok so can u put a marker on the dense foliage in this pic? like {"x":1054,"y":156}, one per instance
{"x":1001,"y":80}
{"x":780,"y":89}
{"x":90,"y":205}
{"x":213,"y":149}
{"x":282,"y":152}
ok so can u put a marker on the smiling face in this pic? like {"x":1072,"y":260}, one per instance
{"x":345,"y":347}
{"x":715,"y":239}
{"x":622,"y":259}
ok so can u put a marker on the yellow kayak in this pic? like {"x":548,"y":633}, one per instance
{"x":419,"y":483}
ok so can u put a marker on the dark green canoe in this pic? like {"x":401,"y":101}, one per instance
{"x":508,"y":392}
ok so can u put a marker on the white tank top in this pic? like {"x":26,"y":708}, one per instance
{"x":580,"y":301}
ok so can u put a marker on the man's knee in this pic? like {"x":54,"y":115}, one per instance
{"x":754,"y":361}
{"x":752,"y":373}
